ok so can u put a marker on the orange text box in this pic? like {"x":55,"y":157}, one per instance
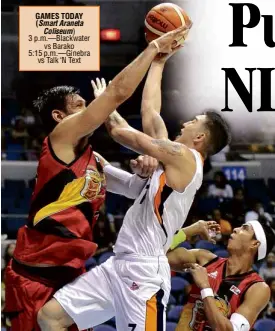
{"x":59,"y":38}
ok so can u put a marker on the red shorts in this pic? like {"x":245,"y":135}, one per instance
{"x":25,"y":296}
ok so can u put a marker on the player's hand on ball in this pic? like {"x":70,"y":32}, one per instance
{"x":199,"y":274}
{"x":168,"y":41}
{"x":99,"y":86}
{"x":162,"y":58}
{"x":144,"y":165}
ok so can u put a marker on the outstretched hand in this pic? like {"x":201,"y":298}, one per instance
{"x":168,"y":41}
{"x":209,"y":230}
{"x":99,"y":86}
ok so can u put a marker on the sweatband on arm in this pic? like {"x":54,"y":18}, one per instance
{"x":239,"y":322}
{"x":122,"y":182}
{"x":178,"y":238}
{"x":207,"y":292}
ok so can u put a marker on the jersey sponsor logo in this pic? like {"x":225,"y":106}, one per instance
{"x":198,"y":315}
{"x":235,"y":290}
{"x":213,"y":274}
{"x":134,"y":286}
{"x":93,"y":185}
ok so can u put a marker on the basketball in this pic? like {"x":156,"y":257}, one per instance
{"x":163,"y":18}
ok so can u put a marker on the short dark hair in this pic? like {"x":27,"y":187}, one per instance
{"x":53,"y":98}
{"x":269,"y":235}
{"x":219,"y":132}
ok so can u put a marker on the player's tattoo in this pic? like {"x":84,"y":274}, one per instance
{"x":170,"y":147}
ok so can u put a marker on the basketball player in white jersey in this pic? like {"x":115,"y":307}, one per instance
{"x":134,"y":285}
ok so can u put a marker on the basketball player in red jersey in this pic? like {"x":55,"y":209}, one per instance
{"x":52,"y":249}
{"x":227,"y":294}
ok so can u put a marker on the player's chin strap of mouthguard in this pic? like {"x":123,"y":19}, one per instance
{"x":260,"y":235}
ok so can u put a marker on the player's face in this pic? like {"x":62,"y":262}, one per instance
{"x":239,"y":195}
{"x":242,"y":238}
{"x":191,"y":129}
{"x":270,"y":258}
{"x":217,"y":215}
{"x":75,"y":103}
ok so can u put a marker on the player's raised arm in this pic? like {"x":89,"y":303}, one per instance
{"x":83,"y":123}
{"x":172,"y":154}
{"x":179,"y":256}
{"x":122,"y":182}
{"x":124,"y":134}
{"x":152,"y":122}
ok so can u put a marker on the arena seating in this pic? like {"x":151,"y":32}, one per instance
{"x":174,"y":313}
{"x":264,"y":325}
{"x":170,"y":326}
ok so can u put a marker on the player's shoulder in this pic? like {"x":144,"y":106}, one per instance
{"x":259,"y":290}
{"x":260,"y":286}
{"x":186,"y":171}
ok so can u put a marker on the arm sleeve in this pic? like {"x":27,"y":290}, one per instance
{"x":123,"y":183}
{"x":178,"y":239}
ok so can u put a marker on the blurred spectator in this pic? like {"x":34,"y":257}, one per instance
{"x":270,"y":312}
{"x":34,"y":149}
{"x":267,"y":270}
{"x":28,"y":117}
{"x":226,"y":228}
{"x":234,"y":209}
{"x":103,"y":235}
{"x":257,"y":211}
{"x":220,"y":188}
{"x":19,"y":132}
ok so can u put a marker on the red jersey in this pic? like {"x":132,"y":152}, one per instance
{"x":64,"y":207}
{"x":229,"y":294}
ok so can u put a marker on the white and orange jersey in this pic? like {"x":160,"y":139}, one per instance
{"x":157,"y":214}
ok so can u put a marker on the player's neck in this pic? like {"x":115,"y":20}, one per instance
{"x":238,"y":264}
{"x":190,"y":144}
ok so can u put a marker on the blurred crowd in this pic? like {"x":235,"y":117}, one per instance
{"x":22,"y":134}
